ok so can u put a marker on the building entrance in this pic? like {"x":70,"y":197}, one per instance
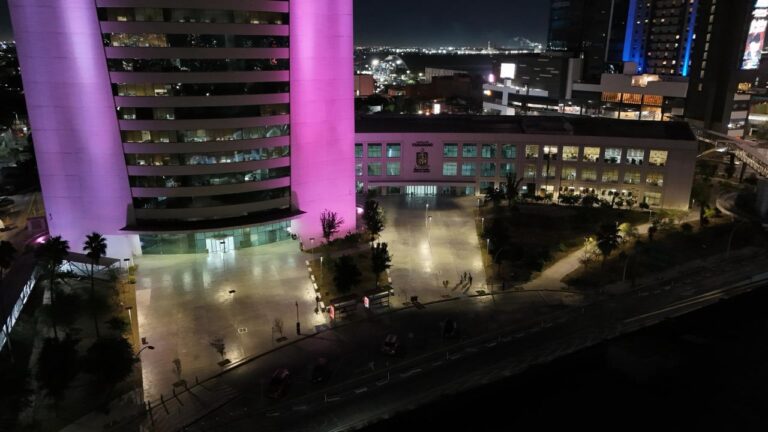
{"x":220,"y":244}
{"x":421,"y":190}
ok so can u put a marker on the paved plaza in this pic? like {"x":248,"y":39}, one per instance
{"x":184,"y":302}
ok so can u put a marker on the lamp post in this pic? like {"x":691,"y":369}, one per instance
{"x":482,"y":224}
{"x":298,"y":324}
{"x":488,"y":245}
{"x":426,"y":213}
{"x":136,"y":356}
{"x":321,"y":270}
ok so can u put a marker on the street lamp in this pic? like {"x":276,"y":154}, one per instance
{"x":298,"y":324}
{"x":488,"y":245}
{"x":136,"y":356}
{"x":482,"y":224}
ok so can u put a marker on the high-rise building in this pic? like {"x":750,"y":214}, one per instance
{"x":725,"y":63}
{"x":660,"y":35}
{"x":189,"y":125}
{"x":591,"y":29}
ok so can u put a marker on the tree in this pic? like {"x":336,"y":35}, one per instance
{"x":7,"y":255}
{"x":347,"y":274}
{"x":380,"y":260}
{"x":701,"y":194}
{"x":608,"y":239}
{"x":95,"y":247}
{"x":644,"y":205}
{"x":512,"y":191}
{"x":628,"y":231}
{"x":110,"y":360}
{"x":373,"y":217}
{"x":51,"y":255}
{"x":57,"y":364}
{"x":331,"y":222}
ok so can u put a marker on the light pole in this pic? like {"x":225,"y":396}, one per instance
{"x":482,"y":224}
{"x":322,"y":280}
{"x":426,"y":213}
{"x":298,"y":324}
{"x":488,"y":245}
{"x":136,"y":356}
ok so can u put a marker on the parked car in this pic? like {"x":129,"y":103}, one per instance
{"x":321,"y":370}
{"x":391,"y":344}
{"x":450,"y":329}
{"x":278,"y":384}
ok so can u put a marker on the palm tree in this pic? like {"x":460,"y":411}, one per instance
{"x":512,"y":190}
{"x":608,"y":239}
{"x":51,"y":255}
{"x":7,"y":255}
{"x":95,"y":247}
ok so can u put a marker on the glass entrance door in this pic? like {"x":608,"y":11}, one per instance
{"x":421,"y":191}
{"x":220,"y":244}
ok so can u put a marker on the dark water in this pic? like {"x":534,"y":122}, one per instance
{"x":707,"y":371}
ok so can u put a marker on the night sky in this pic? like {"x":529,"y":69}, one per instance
{"x":431,"y":23}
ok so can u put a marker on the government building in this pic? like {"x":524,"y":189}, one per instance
{"x":651,"y":162}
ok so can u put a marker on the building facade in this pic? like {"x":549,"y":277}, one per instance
{"x":647,"y":162}
{"x":189,"y":126}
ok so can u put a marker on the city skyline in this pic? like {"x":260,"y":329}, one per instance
{"x":422,"y":25}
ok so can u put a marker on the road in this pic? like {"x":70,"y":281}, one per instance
{"x":361,"y":392}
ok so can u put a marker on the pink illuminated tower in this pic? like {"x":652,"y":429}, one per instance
{"x":178,"y":126}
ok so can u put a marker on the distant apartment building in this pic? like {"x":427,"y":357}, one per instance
{"x":465,"y":155}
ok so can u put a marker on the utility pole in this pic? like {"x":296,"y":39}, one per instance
{"x":298,"y":324}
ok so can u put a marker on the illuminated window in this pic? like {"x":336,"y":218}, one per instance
{"x":611,"y":97}
{"x":488,"y":151}
{"x":570,"y":153}
{"x":613,"y":155}
{"x":374,"y":169}
{"x":469,"y":150}
{"x":611,"y":176}
{"x":359,"y":169}
{"x":468,"y":169}
{"x":568,"y":173}
{"x":655,"y":179}
{"x":531,"y":152}
{"x":509,"y":151}
{"x":450,"y":169}
{"x":652,"y":198}
{"x":632,"y":98}
{"x":530,"y":172}
{"x":658,"y":157}
{"x":451,"y":150}
{"x":653,"y":100}
{"x":359,"y":150}
{"x":506,"y":169}
{"x":550,"y":152}
{"x":591,"y":154}
{"x":589,"y":175}
{"x":393,"y":150}
{"x":632,"y":177}
{"x":550,"y":173}
{"x":635,"y":156}
{"x":488,"y":169}
{"x":393,"y":168}
{"x":374,"y":150}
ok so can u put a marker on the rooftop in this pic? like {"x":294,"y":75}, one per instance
{"x":539,"y":125}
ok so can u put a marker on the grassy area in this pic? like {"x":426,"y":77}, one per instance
{"x":528,"y":240}
{"x":670,"y":248}
{"x":324,"y":276}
